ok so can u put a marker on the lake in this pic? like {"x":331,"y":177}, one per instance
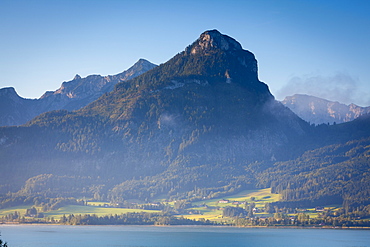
{"x":177,"y":236}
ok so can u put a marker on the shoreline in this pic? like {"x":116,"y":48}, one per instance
{"x":210,"y":226}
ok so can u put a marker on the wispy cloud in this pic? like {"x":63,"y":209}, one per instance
{"x":340,"y":87}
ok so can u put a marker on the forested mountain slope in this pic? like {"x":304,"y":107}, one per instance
{"x":199,"y":125}
{"x":334,"y":174}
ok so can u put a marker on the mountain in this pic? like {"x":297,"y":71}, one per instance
{"x":72,"y":95}
{"x":200,"y":125}
{"x":318,"y":111}
{"x":14,"y":109}
{"x":203,"y":108}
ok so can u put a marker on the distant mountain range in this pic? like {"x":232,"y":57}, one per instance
{"x":317,"y":110}
{"x":72,"y":95}
{"x":79,"y":92}
{"x":201,"y":125}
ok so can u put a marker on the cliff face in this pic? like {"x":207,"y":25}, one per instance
{"x":317,"y":110}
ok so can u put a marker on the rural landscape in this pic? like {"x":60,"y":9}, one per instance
{"x":197,"y":140}
{"x":195,"y":123}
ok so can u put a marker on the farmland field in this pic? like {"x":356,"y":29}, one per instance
{"x":205,"y":209}
{"x":76,"y":210}
{"x":100,"y":211}
{"x":212,"y":209}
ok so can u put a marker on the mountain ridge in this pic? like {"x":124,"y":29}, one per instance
{"x":318,"y":111}
{"x":72,"y":95}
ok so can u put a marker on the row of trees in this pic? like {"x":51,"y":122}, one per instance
{"x":302,"y":219}
{"x":130,"y":219}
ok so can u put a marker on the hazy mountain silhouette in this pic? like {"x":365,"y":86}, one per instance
{"x":317,"y":110}
{"x":72,"y":95}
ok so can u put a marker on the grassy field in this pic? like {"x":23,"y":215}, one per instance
{"x":76,"y":209}
{"x":261,"y":197}
{"x":212,"y":209}
{"x":100,"y":211}
{"x":206,"y":209}
{"x":20,"y":209}
{"x":98,"y":204}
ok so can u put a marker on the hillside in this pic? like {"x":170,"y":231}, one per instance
{"x":334,"y":174}
{"x":201,"y":125}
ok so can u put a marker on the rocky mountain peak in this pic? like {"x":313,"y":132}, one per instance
{"x":142,"y":61}
{"x":213,"y":39}
{"x":137,"y":69}
{"x":77,"y":77}
{"x":142,"y":64}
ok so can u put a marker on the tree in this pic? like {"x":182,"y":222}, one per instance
{"x":31,"y":212}
{"x":233,"y":212}
{"x":3,"y":244}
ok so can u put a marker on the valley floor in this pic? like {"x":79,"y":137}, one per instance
{"x":248,"y":209}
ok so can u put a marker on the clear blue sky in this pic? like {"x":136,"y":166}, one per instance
{"x":315,"y":47}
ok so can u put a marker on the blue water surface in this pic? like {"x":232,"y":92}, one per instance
{"x":178,"y":236}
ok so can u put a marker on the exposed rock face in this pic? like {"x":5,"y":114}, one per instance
{"x":72,"y":95}
{"x":79,"y":92}
{"x":220,"y":56}
{"x":214,"y":40}
{"x":317,"y":110}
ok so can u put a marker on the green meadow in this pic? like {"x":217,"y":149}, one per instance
{"x":259,"y":197}
{"x":11,"y":210}
{"x":205,"y":209}
{"x":212,"y":209}
{"x":100,"y":211}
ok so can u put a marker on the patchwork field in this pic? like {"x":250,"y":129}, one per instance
{"x":206,"y":209}
{"x":100,"y":211}
{"x":212,"y":209}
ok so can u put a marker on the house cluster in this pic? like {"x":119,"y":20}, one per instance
{"x":319,"y":209}
{"x":255,"y":209}
{"x":228,"y":201}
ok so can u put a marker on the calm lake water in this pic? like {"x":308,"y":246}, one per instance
{"x":178,"y":236}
